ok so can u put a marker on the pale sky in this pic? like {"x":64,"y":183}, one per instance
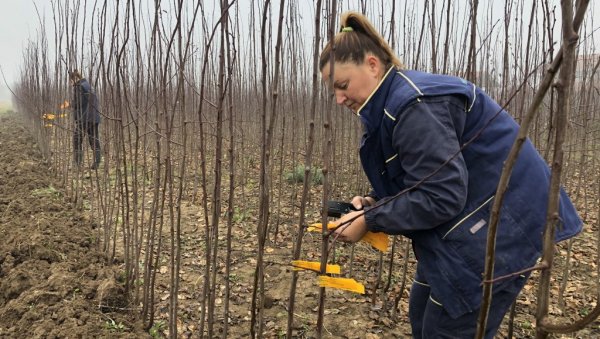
{"x":19,"y":23}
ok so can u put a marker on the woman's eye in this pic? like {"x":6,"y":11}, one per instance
{"x":343,"y":86}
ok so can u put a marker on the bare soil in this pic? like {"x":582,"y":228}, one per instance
{"x":53,"y":281}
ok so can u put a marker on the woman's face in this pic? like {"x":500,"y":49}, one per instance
{"x":352,"y":83}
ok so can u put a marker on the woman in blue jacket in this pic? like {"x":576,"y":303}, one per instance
{"x":415,"y":124}
{"x":86,"y":113}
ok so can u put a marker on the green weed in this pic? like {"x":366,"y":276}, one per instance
{"x":49,"y":191}
{"x":234,"y":278}
{"x":239,"y":216}
{"x":297,"y":175}
{"x":526,"y":325}
{"x":113,"y":326}
{"x":157,"y":328}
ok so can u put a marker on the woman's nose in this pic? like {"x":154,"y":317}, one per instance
{"x":340,"y":97}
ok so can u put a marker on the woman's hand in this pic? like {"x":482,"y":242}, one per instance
{"x":360,"y":202}
{"x":354,"y":231}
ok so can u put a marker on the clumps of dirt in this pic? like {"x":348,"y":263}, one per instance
{"x":110,"y":295}
{"x":54,"y":282}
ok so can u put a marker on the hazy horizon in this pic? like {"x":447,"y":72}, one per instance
{"x":5,"y":96}
{"x":18,"y":22}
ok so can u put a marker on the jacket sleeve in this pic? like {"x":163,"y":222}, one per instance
{"x":427,"y":134}
{"x":372,"y":194}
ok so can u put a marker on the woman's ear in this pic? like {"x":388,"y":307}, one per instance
{"x":373,"y":63}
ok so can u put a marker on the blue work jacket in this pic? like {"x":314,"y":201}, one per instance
{"x":414,"y":123}
{"x":86,"y":107}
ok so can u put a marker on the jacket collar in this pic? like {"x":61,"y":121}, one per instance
{"x":371,"y":111}
{"x":79,"y":82}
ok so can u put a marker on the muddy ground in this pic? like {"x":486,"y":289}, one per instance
{"x":54,"y":283}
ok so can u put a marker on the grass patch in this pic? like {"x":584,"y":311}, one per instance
{"x":113,"y":326}
{"x":157,"y":329}
{"x":239,"y":215}
{"x":49,"y":191}
{"x":297,"y":175}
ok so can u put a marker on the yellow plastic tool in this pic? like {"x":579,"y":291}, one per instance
{"x":318,"y":226}
{"x":379,"y":240}
{"x":346,"y":284}
{"x":315,"y":266}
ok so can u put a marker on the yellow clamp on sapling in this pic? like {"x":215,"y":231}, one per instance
{"x":48,"y":116}
{"x":346,"y":284}
{"x":315,"y":266}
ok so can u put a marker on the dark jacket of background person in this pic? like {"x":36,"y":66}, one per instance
{"x":414,"y":122}
{"x":86,"y":107}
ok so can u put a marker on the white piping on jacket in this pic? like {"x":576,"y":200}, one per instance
{"x":375,"y":90}
{"x":467,"y":217}
{"x":474,"y":96}
{"x":435,"y":301}
{"x":411,"y":83}
{"x":388,"y":114}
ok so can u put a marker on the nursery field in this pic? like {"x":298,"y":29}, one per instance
{"x":55,"y":281}
{"x":214,"y":139}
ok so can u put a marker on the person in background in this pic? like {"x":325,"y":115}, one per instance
{"x":86,"y":113}
{"x":415,"y":126}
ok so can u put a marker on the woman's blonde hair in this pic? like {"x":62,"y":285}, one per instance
{"x":356,"y":38}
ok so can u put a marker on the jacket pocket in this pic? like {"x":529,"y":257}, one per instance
{"x":516,"y":249}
